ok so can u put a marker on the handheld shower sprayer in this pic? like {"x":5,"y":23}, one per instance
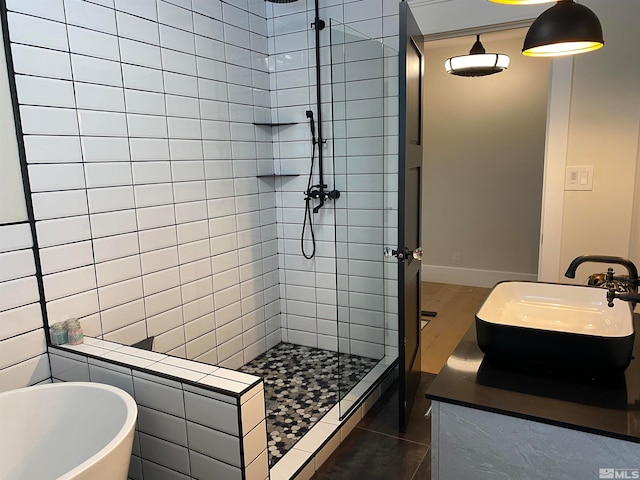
{"x":312,"y":124}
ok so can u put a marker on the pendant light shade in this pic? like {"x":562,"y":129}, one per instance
{"x":566,"y":28}
{"x":478,"y":63}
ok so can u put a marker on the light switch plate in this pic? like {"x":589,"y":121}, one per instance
{"x":579,"y":177}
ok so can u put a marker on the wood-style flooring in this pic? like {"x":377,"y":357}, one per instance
{"x":456,"y":306}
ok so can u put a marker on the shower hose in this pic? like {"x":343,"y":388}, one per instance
{"x":307,"y":199}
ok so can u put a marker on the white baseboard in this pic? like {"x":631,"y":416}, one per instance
{"x":470,"y":276}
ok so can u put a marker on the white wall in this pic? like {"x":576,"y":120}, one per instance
{"x":601,"y":120}
{"x":604,"y":132}
{"x":635,"y":225}
{"x":483,"y":164}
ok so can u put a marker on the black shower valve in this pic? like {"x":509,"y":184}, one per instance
{"x":319,"y":191}
{"x":315,"y":191}
{"x":333,"y":194}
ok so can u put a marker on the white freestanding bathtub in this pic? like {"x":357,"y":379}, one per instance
{"x":73,"y":430}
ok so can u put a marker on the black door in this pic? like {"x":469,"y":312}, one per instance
{"x":409,"y":203}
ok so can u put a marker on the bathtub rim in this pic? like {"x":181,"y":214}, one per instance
{"x":126,"y":430}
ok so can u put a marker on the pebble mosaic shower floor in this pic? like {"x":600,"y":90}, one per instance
{"x":301,"y":385}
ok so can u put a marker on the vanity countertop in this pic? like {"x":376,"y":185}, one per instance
{"x":606,"y":404}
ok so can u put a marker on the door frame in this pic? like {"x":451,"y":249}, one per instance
{"x":555,"y":160}
{"x":409,"y":155}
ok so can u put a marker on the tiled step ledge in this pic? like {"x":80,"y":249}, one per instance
{"x":228,"y":382}
{"x":194,"y":420}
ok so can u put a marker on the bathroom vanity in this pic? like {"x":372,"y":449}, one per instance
{"x":496,"y":419}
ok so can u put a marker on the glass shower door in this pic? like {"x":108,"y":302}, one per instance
{"x":364,"y":121}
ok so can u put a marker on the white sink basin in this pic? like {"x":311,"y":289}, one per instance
{"x":550,"y":324}
{"x":557,"y":307}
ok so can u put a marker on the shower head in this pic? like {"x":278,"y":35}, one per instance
{"x":281,"y":1}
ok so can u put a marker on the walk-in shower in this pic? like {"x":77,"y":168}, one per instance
{"x":353,"y":319}
{"x":173,"y":154}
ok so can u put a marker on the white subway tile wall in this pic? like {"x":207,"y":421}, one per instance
{"x":23,"y":346}
{"x":130,"y":112}
{"x":360,"y":118}
{"x":182,"y":428}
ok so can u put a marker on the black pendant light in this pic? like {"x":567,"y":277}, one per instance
{"x":478,"y":63}
{"x":566,"y":28}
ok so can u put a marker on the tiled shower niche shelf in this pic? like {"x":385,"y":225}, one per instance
{"x":274,"y":175}
{"x":283,"y":124}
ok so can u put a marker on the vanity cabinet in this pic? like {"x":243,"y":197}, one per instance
{"x":497,"y":421}
{"x":476,"y":444}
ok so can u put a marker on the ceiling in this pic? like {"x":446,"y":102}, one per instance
{"x":466,"y":41}
{"x":441,"y":16}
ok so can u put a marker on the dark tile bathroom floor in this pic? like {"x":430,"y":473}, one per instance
{"x":376,"y":450}
{"x":301,"y":384}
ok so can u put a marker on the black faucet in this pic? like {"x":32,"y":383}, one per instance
{"x":631,"y":281}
